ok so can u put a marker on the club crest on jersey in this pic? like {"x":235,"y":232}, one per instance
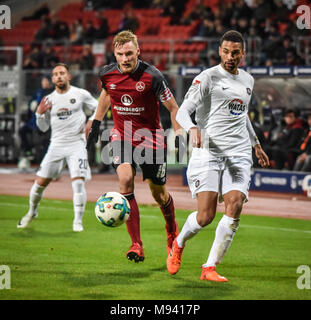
{"x":63,"y":113}
{"x":236,"y":107}
{"x":140,"y":86}
{"x":73,"y":100}
{"x":126,"y":100}
{"x":116,"y":159}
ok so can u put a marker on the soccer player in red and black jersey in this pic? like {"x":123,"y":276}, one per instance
{"x":133,"y":89}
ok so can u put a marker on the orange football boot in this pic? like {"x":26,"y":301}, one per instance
{"x":174,"y":258}
{"x":209,"y":273}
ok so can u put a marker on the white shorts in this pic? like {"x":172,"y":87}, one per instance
{"x":56,"y":158}
{"x":219,"y":174}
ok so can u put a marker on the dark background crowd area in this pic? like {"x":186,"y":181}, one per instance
{"x":77,"y":27}
{"x":285,"y":136}
{"x":273,"y":22}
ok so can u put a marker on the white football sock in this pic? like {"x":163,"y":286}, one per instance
{"x":189,"y":230}
{"x":79,"y":199}
{"x":35,"y":197}
{"x":225,"y":231}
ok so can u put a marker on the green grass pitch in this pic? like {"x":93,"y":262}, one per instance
{"x":49,"y":261}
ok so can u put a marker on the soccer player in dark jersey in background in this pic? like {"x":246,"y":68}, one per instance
{"x":134,"y":88}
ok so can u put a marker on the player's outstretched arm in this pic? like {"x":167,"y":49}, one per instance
{"x":102,"y":108}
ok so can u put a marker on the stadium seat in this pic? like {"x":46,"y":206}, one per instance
{"x":60,"y":52}
{"x":76,"y":52}
{"x":162,"y":47}
{"x":147,"y":13}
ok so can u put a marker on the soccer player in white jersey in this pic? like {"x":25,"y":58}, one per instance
{"x":221,"y":159}
{"x":62,"y":110}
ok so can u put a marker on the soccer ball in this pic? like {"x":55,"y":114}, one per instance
{"x":112,"y":209}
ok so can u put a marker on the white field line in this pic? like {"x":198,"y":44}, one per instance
{"x":160,"y":216}
{"x":275,"y":228}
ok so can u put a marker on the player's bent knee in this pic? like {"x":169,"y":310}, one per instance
{"x":78,"y":185}
{"x":234,"y":208}
{"x":205,"y":217}
{"x":126,"y":183}
{"x":42,"y":182}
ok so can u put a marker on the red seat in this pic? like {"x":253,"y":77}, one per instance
{"x":163,"y":47}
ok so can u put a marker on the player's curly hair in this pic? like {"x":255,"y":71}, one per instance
{"x":123,"y":37}
{"x":234,"y":36}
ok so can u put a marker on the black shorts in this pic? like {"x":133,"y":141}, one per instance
{"x":152,"y":162}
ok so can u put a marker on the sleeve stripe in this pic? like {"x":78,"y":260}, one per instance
{"x":165,"y":95}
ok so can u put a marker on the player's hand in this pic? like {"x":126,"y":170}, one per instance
{"x":44,"y":106}
{"x":181,"y":147}
{"x":93,"y":135}
{"x":263,"y":159}
{"x":87,"y":128}
{"x":195,"y":137}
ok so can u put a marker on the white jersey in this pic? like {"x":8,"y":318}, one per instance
{"x":66,"y":117}
{"x":220,"y":100}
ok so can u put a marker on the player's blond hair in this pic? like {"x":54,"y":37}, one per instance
{"x":124,"y":37}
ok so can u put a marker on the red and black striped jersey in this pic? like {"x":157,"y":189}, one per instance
{"x":135,"y":103}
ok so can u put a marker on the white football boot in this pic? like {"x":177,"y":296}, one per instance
{"x":24,"y":222}
{"x":77,"y":226}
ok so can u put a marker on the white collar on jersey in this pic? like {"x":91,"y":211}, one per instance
{"x":226,"y":73}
